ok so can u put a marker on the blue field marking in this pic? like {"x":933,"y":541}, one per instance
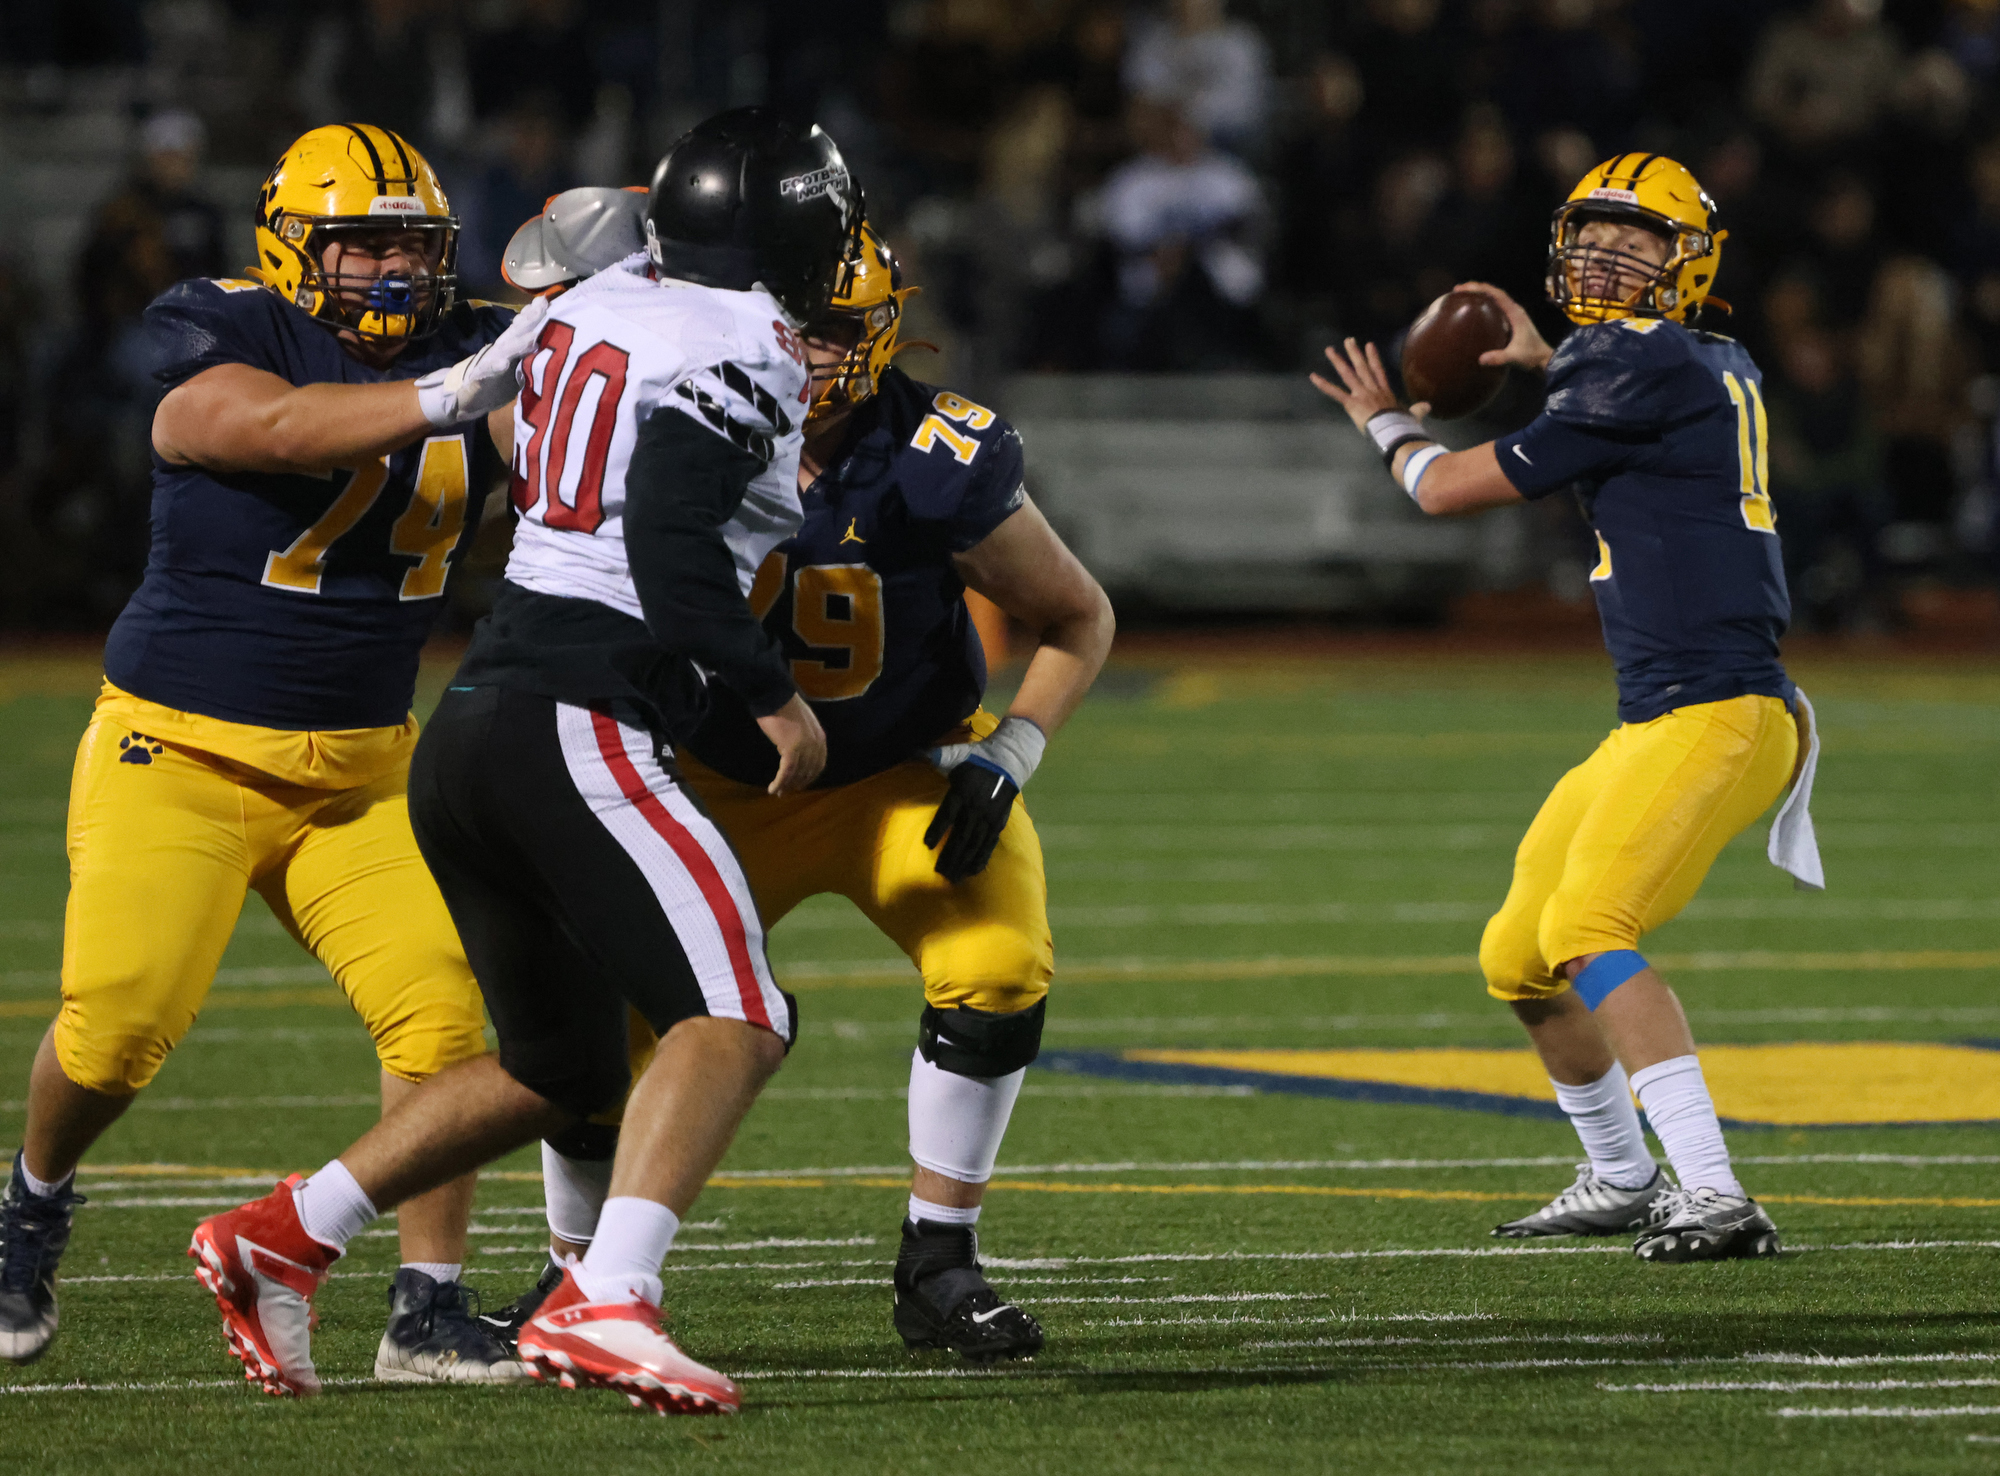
{"x":1347,"y":1089}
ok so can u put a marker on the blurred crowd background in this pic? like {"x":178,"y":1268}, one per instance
{"x":1081,"y":186}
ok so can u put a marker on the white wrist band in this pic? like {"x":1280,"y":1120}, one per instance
{"x":1387,"y":427}
{"x":1417,"y":463}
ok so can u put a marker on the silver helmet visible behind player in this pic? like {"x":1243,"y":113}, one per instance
{"x":579,"y":233}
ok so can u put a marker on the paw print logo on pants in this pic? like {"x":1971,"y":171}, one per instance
{"x":139,"y":749}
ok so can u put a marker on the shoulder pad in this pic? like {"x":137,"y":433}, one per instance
{"x":1630,"y":374}
{"x":957,"y":462}
{"x":205,"y":321}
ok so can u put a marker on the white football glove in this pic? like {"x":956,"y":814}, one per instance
{"x":484,"y":381}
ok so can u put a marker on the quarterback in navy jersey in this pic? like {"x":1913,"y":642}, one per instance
{"x":319,"y":460}
{"x":911,"y":496}
{"x":1658,"y":428}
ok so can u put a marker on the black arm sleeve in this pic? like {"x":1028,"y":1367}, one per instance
{"x":685,"y":482}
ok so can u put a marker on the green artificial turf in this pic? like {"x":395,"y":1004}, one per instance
{"x":1202,"y":1314}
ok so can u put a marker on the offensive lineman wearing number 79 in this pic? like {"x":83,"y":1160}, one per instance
{"x":1659,"y":428}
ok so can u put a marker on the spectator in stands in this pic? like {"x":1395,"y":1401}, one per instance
{"x":1840,"y":246}
{"x":375,"y":59}
{"x":543,"y":50}
{"x":1410,"y":64}
{"x":1826,"y":478}
{"x":156,"y":230}
{"x":1405,"y":253}
{"x":1915,"y":368}
{"x":1567,"y":69}
{"x":530,"y":164}
{"x":1321,"y":173}
{"x":1496,"y":232}
{"x":1970,"y":36}
{"x":1823,"y":79}
{"x":1184,"y":221}
{"x":1215,"y":70}
{"x":1975,"y":252}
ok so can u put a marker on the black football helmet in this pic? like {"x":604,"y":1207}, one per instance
{"x":749,"y":197}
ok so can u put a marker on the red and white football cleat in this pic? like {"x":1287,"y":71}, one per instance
{"x":582,"y":1344}
{"x":264,"y":1268}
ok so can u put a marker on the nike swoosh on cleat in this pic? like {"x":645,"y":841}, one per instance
{"x":985,"y":1317}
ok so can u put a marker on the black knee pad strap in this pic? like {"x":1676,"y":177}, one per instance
{"x":586,"y":1142}
{"x":969,"y":1042}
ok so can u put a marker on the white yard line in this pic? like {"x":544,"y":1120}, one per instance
{"x":1464,"y":1342}
{"x":1892,"y":1412}
{"x":1791,"y":1386}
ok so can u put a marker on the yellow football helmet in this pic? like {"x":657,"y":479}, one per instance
{"x":869,"y":289}
{"x":349,"y":179}
{"x":1651,"y":190}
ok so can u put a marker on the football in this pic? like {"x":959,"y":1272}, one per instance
{"x":1441,"y":354}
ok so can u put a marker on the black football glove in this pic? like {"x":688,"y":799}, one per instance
{"x":978,"y":798}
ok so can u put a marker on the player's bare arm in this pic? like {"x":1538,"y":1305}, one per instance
{"x":1025,"y":569}
{"x":1453,"y":482}
{"x":801,"y":743}
{"x":234,"y":418}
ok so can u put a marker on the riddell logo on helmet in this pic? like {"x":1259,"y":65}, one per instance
{"x":1623,"y":197}
{"x":803,"y":187}
{"x":397,"y":205}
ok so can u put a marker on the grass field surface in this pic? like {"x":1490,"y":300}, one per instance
{"x":1249,"y":1190}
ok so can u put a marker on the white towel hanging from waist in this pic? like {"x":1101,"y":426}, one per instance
{"x":1794,"y":847}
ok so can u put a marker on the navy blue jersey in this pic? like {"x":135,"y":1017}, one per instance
{"x":1661,"y":430}
{"x":864,"y":598}
{"x":290,"y":601}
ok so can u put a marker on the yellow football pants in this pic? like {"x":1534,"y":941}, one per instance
{"x":163,"y":847}
{"x":1623,"y":841}
{"x":984,"y":943}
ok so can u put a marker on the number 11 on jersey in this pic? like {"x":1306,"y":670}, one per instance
{"x":1756,"y":465}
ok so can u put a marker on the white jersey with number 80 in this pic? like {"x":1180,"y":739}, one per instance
{"x":615,"y":350}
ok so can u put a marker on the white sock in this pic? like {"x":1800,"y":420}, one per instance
{"x":942,"y":1214}
{"x":1677,"y":1105}
{"x":43,"y":1188}
{"x":332,"y":1206}
{"x":437,"y":1270}
{"x":573,"y":1189}
{"x":623,"y":1262}
{"x":1605,"y":1119}
{"x":957,"y":1122}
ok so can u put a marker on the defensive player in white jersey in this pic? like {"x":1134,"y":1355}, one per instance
{"x":655,"y":465}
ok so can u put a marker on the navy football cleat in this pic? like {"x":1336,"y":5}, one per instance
{"x":34,"y":1232}
{"x":505,"y":1325}
{"x":434,"y":1337}
{"x":943,"y":1299}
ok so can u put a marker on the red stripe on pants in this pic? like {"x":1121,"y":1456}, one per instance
{"x":611,"y":743}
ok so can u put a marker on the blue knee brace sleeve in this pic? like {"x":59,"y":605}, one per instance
{"x":1605,"y":973}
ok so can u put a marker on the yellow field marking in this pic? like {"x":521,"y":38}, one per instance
{"x":1854,"y":1082}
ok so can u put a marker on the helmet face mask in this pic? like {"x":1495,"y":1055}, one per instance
{"x":863,"y":316}
{"x":358,"y":187}
{"x":379,"y":304}
{"x":1594,"y":283}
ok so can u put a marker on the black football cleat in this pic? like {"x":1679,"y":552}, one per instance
{"x":943,"y":1299}
{"x":434,"y":1338}
{"x":505,"y":1325}
{"x":34,"y":1232}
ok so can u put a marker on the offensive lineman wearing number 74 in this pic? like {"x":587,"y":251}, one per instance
{"x":1659,"y":428}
